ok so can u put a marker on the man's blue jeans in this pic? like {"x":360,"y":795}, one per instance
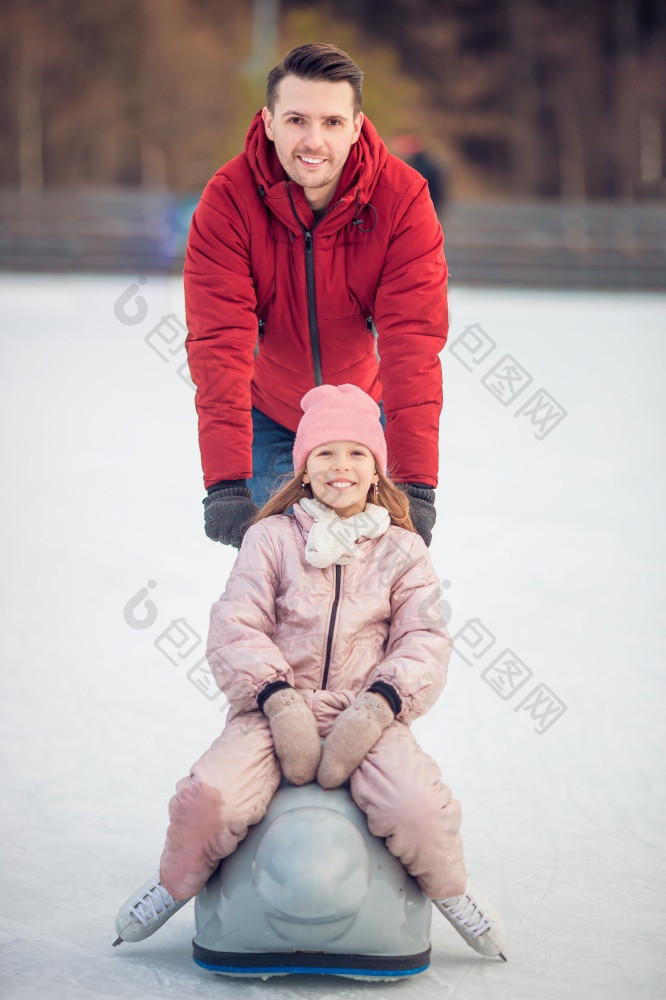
{"x":272,"y":460}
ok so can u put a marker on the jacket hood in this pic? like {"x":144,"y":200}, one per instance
{"x":357,"y":182}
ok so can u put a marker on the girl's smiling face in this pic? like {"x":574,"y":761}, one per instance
{"x":340,"y":474}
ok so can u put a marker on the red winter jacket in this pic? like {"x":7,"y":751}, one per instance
{"x":258,"y":264}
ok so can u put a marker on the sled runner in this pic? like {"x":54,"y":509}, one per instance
{"x":311,"y":891}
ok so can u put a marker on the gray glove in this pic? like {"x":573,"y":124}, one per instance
{"x":421,"y":508}
{"x":228,"y":513}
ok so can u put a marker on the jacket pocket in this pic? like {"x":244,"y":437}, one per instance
{"x":261,"y":333}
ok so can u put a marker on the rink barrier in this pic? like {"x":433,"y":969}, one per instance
{"x":509,"y":243}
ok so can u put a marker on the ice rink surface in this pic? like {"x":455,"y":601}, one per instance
{"x":550,"y":546}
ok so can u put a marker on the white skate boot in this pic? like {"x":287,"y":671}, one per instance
{"x":145,"y":911}
{"x":476,"y":921}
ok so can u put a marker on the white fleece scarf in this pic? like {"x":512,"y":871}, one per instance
{"x":332,"y":539}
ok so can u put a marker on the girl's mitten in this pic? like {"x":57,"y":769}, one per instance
{"x":295,"y":735}
{"x":354,"y":732}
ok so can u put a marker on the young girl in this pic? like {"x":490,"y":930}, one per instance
{"x":322,"y":633}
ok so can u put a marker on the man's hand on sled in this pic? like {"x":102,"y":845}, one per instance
{"x":295,"y":735}
{"x":354,"y":733}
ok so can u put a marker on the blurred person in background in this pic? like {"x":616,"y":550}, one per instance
{"x":304,"y":248}
{"x":410,"y":149}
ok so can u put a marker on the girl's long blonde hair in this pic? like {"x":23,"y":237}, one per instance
{"x":388,"y":496}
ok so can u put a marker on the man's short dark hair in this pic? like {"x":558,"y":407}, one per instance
{"x":316,"y":61}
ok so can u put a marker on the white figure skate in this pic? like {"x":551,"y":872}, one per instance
{"x":476,"y":921}
{"x":145,"y":911}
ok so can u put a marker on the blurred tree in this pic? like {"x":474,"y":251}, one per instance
{"x":552,"y":98}
{"x":130,"y":92}
{"x":541,"y":97}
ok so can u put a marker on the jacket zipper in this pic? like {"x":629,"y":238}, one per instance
{"x":310,"y":279}
{"x":312,"y":310}
{"x":331,"y":626}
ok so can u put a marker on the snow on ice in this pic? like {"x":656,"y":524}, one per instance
{"x":550,"y":546}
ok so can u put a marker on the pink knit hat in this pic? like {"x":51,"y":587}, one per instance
{"x":339,"y":413}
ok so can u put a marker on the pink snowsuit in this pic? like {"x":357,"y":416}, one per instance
{"x":330,"y":633}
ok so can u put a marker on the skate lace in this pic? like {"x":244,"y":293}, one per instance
{"x":469,"y":915}
{"x":156,"y":901}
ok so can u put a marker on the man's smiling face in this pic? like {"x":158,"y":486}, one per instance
{"x":313,"y":127}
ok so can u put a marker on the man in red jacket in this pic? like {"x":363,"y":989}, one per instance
{"x":303,"y":248}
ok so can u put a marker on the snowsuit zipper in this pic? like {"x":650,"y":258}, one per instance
{"x":331,"y":626}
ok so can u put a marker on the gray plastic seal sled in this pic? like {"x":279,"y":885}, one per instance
{"x":310,"y":890}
